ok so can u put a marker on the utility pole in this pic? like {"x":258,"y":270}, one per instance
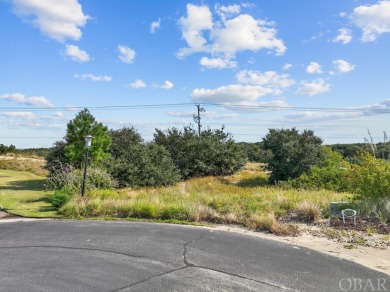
{"x":197,"y":117}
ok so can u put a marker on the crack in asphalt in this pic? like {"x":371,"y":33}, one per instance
{"x":191,"y":265}
{"x":185,"y":248}
{"x":81,"y":248}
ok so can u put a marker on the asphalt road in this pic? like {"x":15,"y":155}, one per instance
{"x":127,"y":256}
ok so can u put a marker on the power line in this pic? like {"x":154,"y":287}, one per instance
{"x":228,"y":106}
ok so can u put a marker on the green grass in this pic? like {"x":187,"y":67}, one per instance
{"x":23,"y":193}
{"x":242,"y":199}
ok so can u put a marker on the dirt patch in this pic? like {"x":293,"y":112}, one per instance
{"x":4,"y":215}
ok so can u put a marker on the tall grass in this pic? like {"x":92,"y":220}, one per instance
{"x":14,"y":162}
{"x":220,"y":200}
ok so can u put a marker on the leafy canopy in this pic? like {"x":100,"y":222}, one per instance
{"x":83,"y":124}
{"x":293,"y":153}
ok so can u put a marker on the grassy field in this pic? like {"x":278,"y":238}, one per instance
{"x":243,"y":198}
{"x":23,"y":193}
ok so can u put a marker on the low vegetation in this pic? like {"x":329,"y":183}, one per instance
{"x":180,"y":176}
{"x":23,"y":193}
{"x":228,"y":200}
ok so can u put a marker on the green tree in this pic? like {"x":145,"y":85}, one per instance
{"x":331,"y":174}
{"x":122,"y":140}
{"x":83,"y":124}
{"x":292,"y":153}
{"x":213,"y":153}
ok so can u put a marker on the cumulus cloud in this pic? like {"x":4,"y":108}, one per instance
{"x":269,"y":79}
{"x":232,"y":34}
{"x":198,"y":20}
{"x":36,"y":101}
{"x":225,"y":12}
{"x":76,"y":54}
{"x":126,"y":54}
{"x":373,"y":20}
{"x":217,"y":63}
{"x":59,"y":20}
{"x":155,"y":25}
{"x":167,"y":85}
{"x":245,"y":33}
{"x":92,"y":77}
{"x":344,"y":36}
{"x":343,"y":66}
{"x":313,"y":87}
{"x":287,"y":67}
{"x":138,"y":83}
{"x":22,"y":115}
{"x":314,"y":68}
{"x":231,"y":93}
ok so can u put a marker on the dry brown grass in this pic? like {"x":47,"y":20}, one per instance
{"x":308,"y":211}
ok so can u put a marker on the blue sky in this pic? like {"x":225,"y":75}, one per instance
{"x":320,"y":65}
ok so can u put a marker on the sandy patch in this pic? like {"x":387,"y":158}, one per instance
{"x":371,"y":257}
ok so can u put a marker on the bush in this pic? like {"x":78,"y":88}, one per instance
{"x":370,"y":178}
{"x":60,"y":198}
{"x":331,"y":174}
{"x":213,"y":153}
{"x":142,"y":166}
{"x":72,"y":180}
{"x":292,"y":153}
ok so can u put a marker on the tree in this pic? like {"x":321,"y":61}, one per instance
{"x":213,"y":153}
{"x":292,"y":153}
{"x":122,"y":140}
{"x":83,"y":124}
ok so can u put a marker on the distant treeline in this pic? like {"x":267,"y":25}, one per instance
{"x":40,"y":152}
{"x":254,"y":151}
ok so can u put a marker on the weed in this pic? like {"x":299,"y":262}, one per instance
{"x":308,"y":212}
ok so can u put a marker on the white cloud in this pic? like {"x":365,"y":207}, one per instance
{"x":92,"y":77}
{"x":76,"y":54}
{"x":373,"y":20}
{"x":167,"y":85}
{"x":198,"y":19}
{"x":23,"y":115}
{"x":231,"y":93}
{"x":268,"y":79}
{"x":58,"y":115}
{"x":37,"y":101}
{"x":59,"y":20}
{"x":344,"y":36}
{"x":217,"y":63}
{"x":225,"y":12}
{"x":155,"y":25}
{"x":314,"y":68}
{"x":138,"y":83}
{"x":126,"y":54}
{"x":343,"y":66}
{"x":287,"y":66}
{"x":228,"y":36}
{"x":314,"y":87}
{"x":245,"y":33}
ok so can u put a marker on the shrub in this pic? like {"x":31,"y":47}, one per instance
{"x":292,"y":153}
{"x":143,"y":165}
{"x":60,"y":198}
{"x":72,"y":180}
{"x":213,"y":153}
{"x":331,"y":174}
{"x":370,"y":178}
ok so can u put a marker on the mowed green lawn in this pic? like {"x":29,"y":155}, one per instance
{"x":24,"y":194}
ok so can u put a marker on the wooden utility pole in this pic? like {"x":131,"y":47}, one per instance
{"x":197,"y":118}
